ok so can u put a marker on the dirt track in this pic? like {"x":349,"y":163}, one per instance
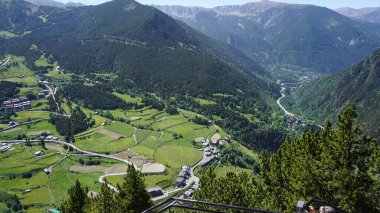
{"x":103,"y":131}
{"x":37,"y":133}
{"x":116,"y":169}
{"x":86,"y":169}
{"x":152,"y":168}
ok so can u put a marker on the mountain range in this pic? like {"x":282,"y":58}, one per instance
{"x":52,"y":3}
{"x":369,"y":14}
{"x":324,"y":98}
{"x":306,"y":36}
{"x":137,"y":43}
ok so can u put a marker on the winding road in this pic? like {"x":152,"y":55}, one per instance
{"x":280,"y":105}
{"x":283,"y":89}
{"x":6,"y":62}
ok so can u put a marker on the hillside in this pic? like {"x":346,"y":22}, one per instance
{"x":139,"y":50}
{"x":125,"y":46}
{"x":370,"y":14}
{"x":358,"y":85}
{"x":306,"y":36}
{"x":52,"y":3}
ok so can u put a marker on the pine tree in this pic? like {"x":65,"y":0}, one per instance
{"x":133,"y":196}
{"x":77,"y":201}
{"x":105,"y":201}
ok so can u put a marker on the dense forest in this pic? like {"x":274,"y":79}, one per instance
{"x":7,"y":90}
{"x":93,"y":97}
{"x":339,"y":165}
{"x":68,"y":126}
{"x":324,"y":98}
{"x":12,"y":203}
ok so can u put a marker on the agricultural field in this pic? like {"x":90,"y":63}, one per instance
{"x":120,"y":128}
{"x":34,"y":130}
{"x":16,"y":66}
{"x":46,"y":190}
{"x":42,"y":62}
{"x":24,"y":116}
{"x":147,"y":135}
{"x":101,"y":143}
{"x":21,"y":159}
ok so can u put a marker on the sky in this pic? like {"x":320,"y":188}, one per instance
{"x":333,"y":4}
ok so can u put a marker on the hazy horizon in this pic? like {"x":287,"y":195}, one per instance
{"x":212,"y":3}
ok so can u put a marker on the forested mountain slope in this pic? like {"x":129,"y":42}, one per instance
{"x":137,"y":42}
{"x":312,"y":37}
{"x":360,"y":85}
{"x":145,"y":50}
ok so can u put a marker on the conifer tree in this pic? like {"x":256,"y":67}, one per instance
{"x":77,"y":201}
{"x":105,"y":201}
{"x":133,"y":196}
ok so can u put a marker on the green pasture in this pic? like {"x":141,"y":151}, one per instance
{"x":150,"y":145}
{"x":178,"y":153}
{"x":34,"y":127}
{"x":120,"y":128}
{"x":16,"y":66}
{"x":59,"y":75}
{"x":98,"y":142}
{"x":23,"y":116}
{"x":42,"y":62}
{"x":204,"y":101}
{"x":128,"y":98}
{"x":21,"y":159}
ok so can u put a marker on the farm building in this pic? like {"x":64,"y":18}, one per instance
{"x":155,"y":191}
{"x":38,"y":153}
{"x":42,"y":94}
{"x":189,"y":193}
{"x":180,"y":182}
{"x":182,"y":175}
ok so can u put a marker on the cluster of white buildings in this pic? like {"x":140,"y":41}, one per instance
{"x":182,"y":176}
{"x":17,"y":104}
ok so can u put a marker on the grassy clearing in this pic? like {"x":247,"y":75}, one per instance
{"x":16,"y":66}
{"x":150,"y":145}
{"x":59,"y":75}
{"x":40,"y":104}
{"x":118,"y":113}
{"x":42,"y":62}
{"x":222,"y":170}
{"x":7,"y":34}
{"x":178,"y":154}
{"x":142,"y":134}
{"x":120,"y":128}
{"x":190,"y":131}
{"x":128,"y":98}
{"x":26,"y":90}
{"x":204,"y":101}
{"x":98,"y":142}
{"x":29,"y":81}
{"x":167,"y":122}
{"x":33,"y":115}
